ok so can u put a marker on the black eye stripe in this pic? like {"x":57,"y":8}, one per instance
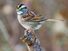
{"x":20,"y":5}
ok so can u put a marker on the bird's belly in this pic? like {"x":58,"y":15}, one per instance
{"x":34,"y":25}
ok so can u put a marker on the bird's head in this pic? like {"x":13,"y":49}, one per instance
{"x":21,"y":9}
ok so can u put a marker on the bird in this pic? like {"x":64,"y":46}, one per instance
{"x":27,"y":18}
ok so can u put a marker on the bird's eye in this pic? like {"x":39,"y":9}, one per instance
{"x":25,"y":8}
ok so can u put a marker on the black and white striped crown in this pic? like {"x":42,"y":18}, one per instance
{"x":22,"y":6}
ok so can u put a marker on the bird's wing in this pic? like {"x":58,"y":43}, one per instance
{"x":38,"y":19}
